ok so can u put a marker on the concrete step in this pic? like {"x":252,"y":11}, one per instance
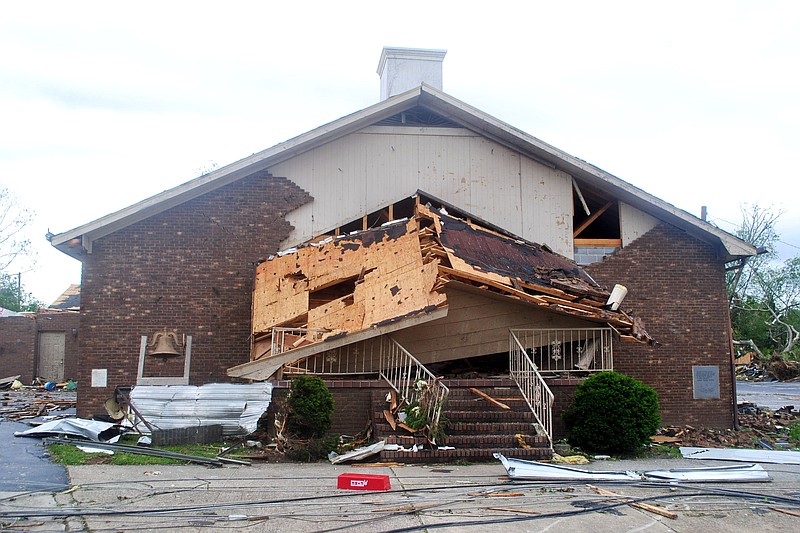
{"x":469,"y":428}
{"x":470,"y":404}
{"x":466,"y":454}
{"x":486,"y":415}
{"x":473,"y":441}
{"x":475,"y":427}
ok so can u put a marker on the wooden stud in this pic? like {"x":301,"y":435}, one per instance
{"x":591,"y":219}
{"x":490,"y":399}
{"x":639,"y":505}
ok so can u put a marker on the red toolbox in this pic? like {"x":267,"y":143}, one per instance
{"x":353,"y":481}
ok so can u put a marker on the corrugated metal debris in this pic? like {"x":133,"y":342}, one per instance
{"x":532,"y":470}
{"x":236,"y":407}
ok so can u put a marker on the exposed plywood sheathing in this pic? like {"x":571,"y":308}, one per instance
{"x":343,"y":287}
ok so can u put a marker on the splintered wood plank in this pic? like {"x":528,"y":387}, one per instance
{"x":489,"y":399}
{"x":402,"y":425}
{"x":390,"y":419}
{"x":462,"y":266}
{"x":509,"y":510}
{"x":478,"y":278}
{"x":573,"y":305}
{"x":402,"y":291}
{"x":285,"y":285}
{"x":639,"y":505}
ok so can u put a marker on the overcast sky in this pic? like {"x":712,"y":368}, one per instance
{"x":103,"y":104}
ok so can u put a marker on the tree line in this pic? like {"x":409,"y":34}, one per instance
{"x":764,"y":292}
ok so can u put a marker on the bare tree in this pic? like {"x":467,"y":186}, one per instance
{"x":764,"y":294}
{"x":13,"y":220}
{"x":757,"y":228}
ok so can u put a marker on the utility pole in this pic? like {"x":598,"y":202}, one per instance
{"x":19,"y":291}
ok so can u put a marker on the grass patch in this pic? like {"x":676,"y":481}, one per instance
{"x":69,"y":455}
{"x":655,"y":451}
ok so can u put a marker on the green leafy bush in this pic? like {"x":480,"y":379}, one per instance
{"x":612,"y":413}
{"x":309,"y":408}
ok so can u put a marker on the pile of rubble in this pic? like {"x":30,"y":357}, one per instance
{"x":26,"y":402}
{"x":775,"y":369}
{"x":758,"y":428}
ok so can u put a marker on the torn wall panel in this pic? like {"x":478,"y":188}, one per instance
{"x":346,"y":284}
{"x":395,"y":273}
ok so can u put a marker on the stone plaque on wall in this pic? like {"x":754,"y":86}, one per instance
{"x":706,"y":382}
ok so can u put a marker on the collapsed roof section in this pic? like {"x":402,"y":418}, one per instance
{"x":393,"y":276}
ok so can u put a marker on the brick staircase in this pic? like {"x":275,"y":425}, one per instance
{"x":475,"y":427}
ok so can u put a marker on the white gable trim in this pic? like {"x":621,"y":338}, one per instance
{"x":437,"y":101}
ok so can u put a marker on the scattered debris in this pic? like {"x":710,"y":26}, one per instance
{"x":747,"y":455}
{"x":521,"y":469}
{"x":773,"y":429}
{"x":775,"y":368}
{"x":357,"y":454}
{"x":93,"y":430}
{"x":6,"y":383}
{"x":32,"y":402}
{"x":638,"y":505}
{"x":489,"y":399}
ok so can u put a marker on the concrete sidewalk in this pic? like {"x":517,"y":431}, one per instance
{"x":302,"y":497}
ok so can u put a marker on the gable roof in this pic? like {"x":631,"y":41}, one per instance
{"x":74,"y":242}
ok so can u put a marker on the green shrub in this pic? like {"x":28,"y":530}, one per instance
{"x":612,"y":413}
{"x":309,"y":408}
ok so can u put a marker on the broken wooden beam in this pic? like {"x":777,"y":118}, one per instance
{"x":490,"y":399}
{"x":632,"y":503}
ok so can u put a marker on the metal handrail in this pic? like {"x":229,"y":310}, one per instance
{"x":402,"y":371}
{"x":568,"y":352}
{"x":537,"y":394}
{"x":386,"y":357}
{"x":279,"y":337}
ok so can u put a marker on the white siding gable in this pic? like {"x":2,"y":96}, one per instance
{"x":370,"y":169}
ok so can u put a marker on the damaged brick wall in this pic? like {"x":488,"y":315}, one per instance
{"x":676,"y":284}
{"x":19,"y":342}
{"x":190,"y":269}
{"x":355,"y":402}
{"x":48,"y":320}
{"x":17,"y":347}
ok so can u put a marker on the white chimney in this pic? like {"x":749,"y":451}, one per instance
{"x":402,"y":69}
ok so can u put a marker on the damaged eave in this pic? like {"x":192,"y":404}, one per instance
{"x":524,"y":271}
{"x":341,"y":290}
{"x":262,"y":369}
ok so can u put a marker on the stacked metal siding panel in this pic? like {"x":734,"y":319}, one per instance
{"x":236,"y":407}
